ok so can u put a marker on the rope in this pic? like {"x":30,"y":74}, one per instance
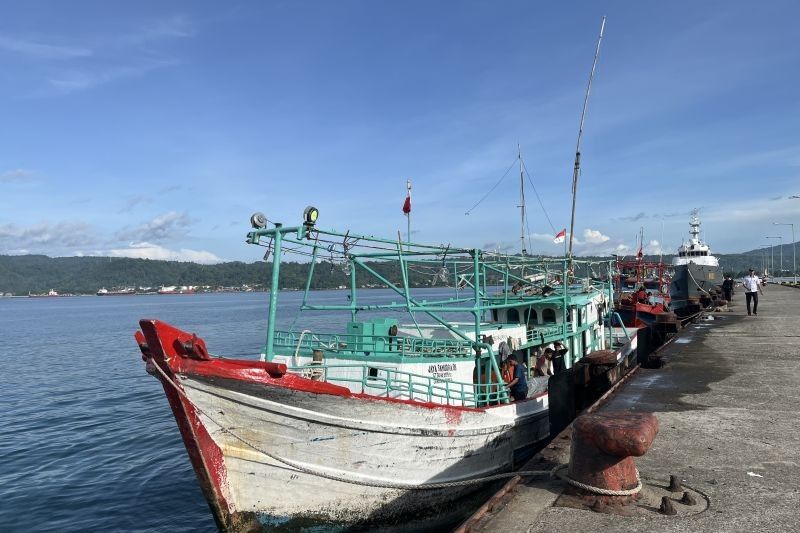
{"x":493,"y":188}
{"x":688,"y":271}
{"x":530,"y":180}
{"x":598,"y":490}
{"x":299,"y":341}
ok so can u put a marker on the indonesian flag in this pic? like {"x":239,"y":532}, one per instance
{"x":407,"y":205}
{"x":561,"y":237}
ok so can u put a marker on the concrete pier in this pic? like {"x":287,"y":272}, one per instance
{"x":728,"y":403}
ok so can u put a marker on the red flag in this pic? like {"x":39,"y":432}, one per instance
{"x":639,"y":253}
{"x":561,"y":237}
{"x":407,"y":205}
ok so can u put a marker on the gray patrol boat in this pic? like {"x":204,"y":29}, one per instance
{"x":696,"y":271}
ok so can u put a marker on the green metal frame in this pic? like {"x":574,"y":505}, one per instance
{"x":475,"y":269}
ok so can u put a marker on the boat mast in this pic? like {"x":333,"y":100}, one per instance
{"x":522,"y":202}
{"x":577,"y":170}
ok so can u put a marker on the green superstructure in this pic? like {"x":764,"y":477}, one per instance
{"x":451,"y":357}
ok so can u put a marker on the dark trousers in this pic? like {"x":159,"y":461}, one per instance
{"x":519,"y":393}
{"x":728,"y":294}
{"x":752,"y":296}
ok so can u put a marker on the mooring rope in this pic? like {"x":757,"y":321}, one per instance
{"x":695,"y":282}
{"x":552,"y":473}
{"x":598,"y":490}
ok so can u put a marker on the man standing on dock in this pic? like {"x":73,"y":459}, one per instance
{"x":752,"y":286}
{"x":727,"y":288}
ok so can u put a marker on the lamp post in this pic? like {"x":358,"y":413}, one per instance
{"x":772,"y":253}
{"x":794,"y":251}
{"x":764,"y":262}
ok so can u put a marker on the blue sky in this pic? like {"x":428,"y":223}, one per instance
{"x":154,"y":129}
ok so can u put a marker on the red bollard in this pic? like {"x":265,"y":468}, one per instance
{"x":602,"y":452}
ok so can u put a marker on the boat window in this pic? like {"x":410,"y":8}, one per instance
{"x":531,"y":316}
{"x":548,"y":316}
{"x":494,"y":315}
{"x":512,"y":316}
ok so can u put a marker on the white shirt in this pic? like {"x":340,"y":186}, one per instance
{"x":751,"y":283}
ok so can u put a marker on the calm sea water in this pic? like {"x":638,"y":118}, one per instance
{"x":87,"y":439}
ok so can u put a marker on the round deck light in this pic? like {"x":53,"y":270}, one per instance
{"x":310,"y":216}
{"x":258,"y":220}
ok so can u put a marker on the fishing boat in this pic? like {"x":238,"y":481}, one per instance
{"x":172,"y":289}
{"x":383,"y":419}
{"x":127,"y":291}
{"x":697,"y":273}
{"x":404,"y":406}
{"x":52,"y":293}
{"x":641,"y":289}
{"x":638,"y":303}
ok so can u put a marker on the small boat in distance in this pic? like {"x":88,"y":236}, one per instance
{"x":49,"y":294}
{"x":696,"y":271}
{"x":176,"y":290}
{"x":116,"y":292}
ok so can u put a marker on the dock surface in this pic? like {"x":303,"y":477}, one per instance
{"x":728,"y":404}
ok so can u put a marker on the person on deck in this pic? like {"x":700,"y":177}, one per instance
{"x":559,"y":351}
{"x":507,"y":371}
{"x":727,"y":288}
{"x":544,"y":365}
{"x":642,"y":296}
{"x":752,"y":286}
{"x":519,"y":385}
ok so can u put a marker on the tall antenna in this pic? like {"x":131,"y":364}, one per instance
{"x":522,"y":201}
{"x":577,"y":170}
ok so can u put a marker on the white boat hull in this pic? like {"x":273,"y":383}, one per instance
{"x":373,"y":443}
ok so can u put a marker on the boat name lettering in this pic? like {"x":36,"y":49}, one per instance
{"x":441,"y":367}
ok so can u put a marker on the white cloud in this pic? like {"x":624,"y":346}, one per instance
{"x":146,"y":250}
{"x":74,"y":80}
{"x":593,"y":236}
{"x":174,"y":27}
{"x":45,"y":237}
{"x":167,"y":227}
{"x":42,"y":50}
{"x":18,"y":174}
{"x":543,"y":237}
{"x":107,"y":59}
{"x":653,"y":248}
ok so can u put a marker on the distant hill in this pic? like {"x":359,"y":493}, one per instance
{"x":23,"y":274}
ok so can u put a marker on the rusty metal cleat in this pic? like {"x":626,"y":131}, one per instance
{"x":666,"y":507}
{"x":687,"y":499}
{"x":675,"y":484}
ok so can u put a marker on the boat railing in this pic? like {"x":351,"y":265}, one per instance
{"x":390,"y":382}
{"x":373,"y":344}
{"x":544,"y":335}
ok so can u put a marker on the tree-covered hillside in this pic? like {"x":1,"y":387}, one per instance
{"x":23,"y":274}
